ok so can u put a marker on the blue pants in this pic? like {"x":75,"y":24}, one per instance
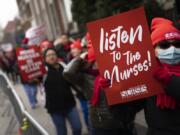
{"x":72,"y":116}
{"x":31,"y":92}
{"x":84,"y":106}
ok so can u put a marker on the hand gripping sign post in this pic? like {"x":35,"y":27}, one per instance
{"x":30,"y":63}
{"x":125,"y":55}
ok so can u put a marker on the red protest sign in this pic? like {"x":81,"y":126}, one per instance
{"x":125,"y":55}
{"x":30,"y":63}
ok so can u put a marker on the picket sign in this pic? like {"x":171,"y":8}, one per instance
{"x":30,"y":63}
{"x":125,"y":55}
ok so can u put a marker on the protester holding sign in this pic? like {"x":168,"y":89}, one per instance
{"x":163,"y":111}
{"x":60,"y":101}
{"x":117,"y":120}
{"x":31,"y":69}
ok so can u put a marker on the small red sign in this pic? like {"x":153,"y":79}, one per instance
{"x":30,"y":63}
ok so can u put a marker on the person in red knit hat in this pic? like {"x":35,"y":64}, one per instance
{"x":163,"y":111}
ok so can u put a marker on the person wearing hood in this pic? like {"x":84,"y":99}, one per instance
{"x":162,"y":112}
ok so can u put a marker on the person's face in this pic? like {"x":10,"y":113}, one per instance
{"x":164,"y":45}
{"x":75,"y":52}
{"x":51,"y":57}
{"x":168,"y":52}
{"x":64,"y":39}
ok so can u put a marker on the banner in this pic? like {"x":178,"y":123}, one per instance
{"x":30,"y":63}
{"x":125,"y":55}
{"x":36,"y":35}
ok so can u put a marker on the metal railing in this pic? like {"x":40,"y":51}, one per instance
{"x":29,"y":125}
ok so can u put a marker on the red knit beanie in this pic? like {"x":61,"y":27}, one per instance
{"x":76,"y":44}
{"x":163,"y":29}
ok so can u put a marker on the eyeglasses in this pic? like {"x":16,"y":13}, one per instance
{"x":167,"y":44}
{"x":51,"y":55}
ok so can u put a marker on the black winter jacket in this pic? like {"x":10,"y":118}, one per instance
{"x":164,"y":121}
{"x":59,"y":97}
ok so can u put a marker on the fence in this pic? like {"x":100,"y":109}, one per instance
{"x":29,"y":126}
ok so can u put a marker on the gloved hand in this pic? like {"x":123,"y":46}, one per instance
{"x":162,"y":74}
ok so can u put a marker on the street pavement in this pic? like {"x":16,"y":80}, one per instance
{"x":42,"y":117}
{"x":8,"y":122}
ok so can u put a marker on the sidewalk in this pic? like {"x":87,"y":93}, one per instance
{"x":8,"y":122}
{"x":41,"y":115}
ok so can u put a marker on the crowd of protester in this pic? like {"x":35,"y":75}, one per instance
{"x":72,"y":68}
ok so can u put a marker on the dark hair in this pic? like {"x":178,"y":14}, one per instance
{"x":52,"y":48}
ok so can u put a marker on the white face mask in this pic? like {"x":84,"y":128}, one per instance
{"x":170,"y":55}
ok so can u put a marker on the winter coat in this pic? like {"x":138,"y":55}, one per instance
{"x":164,"y":121}
{"x":59,"y":97}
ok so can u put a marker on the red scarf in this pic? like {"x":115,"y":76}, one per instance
{"x":96,"y":91}
{"x":100,"y":83}
{"x":164,"y":100}
{"x":173,"y":69}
